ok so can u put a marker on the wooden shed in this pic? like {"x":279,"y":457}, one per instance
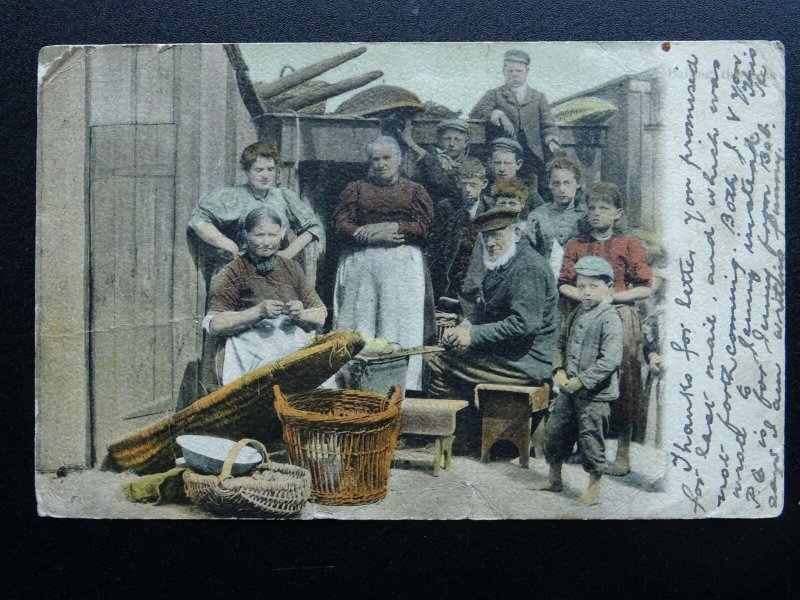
{"x":631,"y":155}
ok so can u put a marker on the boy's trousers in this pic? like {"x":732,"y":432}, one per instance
{"x":574,"y":419}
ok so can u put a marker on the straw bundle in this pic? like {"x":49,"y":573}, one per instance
{"x":584,"y":111}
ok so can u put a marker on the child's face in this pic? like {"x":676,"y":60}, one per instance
{"x":471,"y":188}
{"x":515,"y":72}
{"x":453,"y":142}
{"x":564,"y":186}
{"x":505,"y":164}
{"x":593,"y":290}
{"x":508,"y":202}
{"x":601,"y":214}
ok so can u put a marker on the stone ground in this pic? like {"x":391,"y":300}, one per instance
{"x":469,"y":490}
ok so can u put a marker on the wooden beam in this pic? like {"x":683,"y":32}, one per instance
{"x":62,"y":371}
{"x":268,"y":90}
{"x":313,"y":96}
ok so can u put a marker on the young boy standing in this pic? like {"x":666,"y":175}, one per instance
{"x":633,"y":281}
{"x":585,"y":368}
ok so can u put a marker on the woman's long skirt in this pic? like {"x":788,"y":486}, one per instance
{"x":380,"y":292}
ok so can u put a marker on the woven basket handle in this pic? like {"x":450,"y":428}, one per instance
{"x":395,"y":396}
{"x":227,"y":466}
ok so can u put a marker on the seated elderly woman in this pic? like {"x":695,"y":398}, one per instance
{"x":381,"y":279}
{"x":261,"y":301}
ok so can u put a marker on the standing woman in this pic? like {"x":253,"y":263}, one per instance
{"x":381,"y":280}
{"x":216,"y":217}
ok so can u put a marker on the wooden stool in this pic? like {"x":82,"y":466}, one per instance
{"x":434,"y":417}
{"x":506,"y":415}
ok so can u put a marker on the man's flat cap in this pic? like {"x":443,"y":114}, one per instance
{"x":496,"y":218}
{"x":506,"y":143}
{"x":456,"y":124}
{"x":594,"y":266}
{"x":517,"y":56}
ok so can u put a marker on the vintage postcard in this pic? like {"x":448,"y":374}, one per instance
{"x":516,"y":280}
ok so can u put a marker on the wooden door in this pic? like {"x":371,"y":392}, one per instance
{"x":132,"y":237}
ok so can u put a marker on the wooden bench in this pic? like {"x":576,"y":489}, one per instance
{"x":506,"y":415}
{"x":432,"y":417}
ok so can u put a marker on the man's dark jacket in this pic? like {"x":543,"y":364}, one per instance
{"x":514,"y":314}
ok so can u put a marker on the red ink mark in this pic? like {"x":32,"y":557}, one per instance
{"x":665,"y":46}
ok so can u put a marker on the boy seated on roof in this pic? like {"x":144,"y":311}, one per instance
{"x":516,"y":110}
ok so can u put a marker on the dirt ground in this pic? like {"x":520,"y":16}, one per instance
{"x":469,"y":490}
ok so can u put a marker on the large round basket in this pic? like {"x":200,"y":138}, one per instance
{"x":272,"y":490}
{"x":346,"y":438}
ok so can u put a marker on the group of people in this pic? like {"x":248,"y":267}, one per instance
{"x":544,"y":291}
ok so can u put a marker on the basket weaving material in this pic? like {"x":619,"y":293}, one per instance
{"x":346,"y":438}
{"x":240,"y":409}
{"x":273,"y":490}
{"x":584,"y":111}
{"x":379,"y":99}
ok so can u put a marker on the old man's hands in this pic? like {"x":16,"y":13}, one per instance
{"x":457,"y":338}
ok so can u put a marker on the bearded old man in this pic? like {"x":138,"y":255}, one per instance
{"x":510,"y":331}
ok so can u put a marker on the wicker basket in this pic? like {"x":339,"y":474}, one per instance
{"x":346,"y":438}
{"x":273,"y":490}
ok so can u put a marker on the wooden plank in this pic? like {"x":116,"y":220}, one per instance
{"x":62,"y":370}
{"x":154,"y":84}
{"x":242,"y":125}
{"x":108,"y":155}
{"x":105,"y":193}
{"x":139,"y":354}
{"x":164,"y":226}
{"x":112,"y":243}
{"x":321,"y":139}
{"x":214,"y":169}
{"x":124,"y":297}
{"x":155,"y":150}
{"x":186,"y":334}
{"x":635,"y":133}
{"x":111,"y":70}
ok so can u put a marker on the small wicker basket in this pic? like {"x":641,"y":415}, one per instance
{"x":272,"y":490}
{"x":346,"y":438}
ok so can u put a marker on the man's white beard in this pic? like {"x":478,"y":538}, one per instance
{"x":490,"y":264}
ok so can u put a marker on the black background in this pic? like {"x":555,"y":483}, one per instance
{"x":57,"y":558}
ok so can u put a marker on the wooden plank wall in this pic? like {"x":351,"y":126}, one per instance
{"x":133,"y":135}
{"x":62,"y":375}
